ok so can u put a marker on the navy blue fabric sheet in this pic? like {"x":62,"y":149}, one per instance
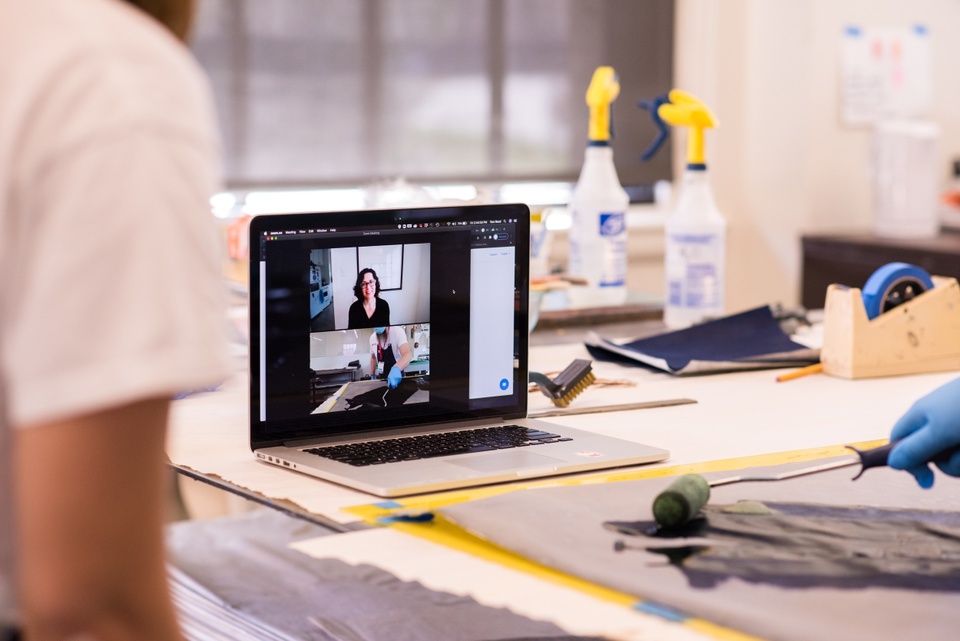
{"x":748,"y":337}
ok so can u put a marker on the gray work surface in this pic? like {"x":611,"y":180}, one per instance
{"x":562,"y":527}
{"x":246,"y":563}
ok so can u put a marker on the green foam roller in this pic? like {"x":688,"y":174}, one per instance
{"x":681,"y":501}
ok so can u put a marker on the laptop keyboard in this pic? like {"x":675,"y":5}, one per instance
{"x":411,"y":448}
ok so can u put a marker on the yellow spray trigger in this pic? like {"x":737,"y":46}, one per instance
{"x":686,"y":110}
{"x":603,"y":90}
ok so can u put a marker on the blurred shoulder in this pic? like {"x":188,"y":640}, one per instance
{"x":84,"y":27}
{"x":81,"y":50}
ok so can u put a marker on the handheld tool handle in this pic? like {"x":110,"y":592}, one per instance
{"x":877,"y":457}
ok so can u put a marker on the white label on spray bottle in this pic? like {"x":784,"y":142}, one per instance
{"x":693,"y":274}
{"x":613,"y":235}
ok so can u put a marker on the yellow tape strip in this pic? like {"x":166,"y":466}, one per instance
{"x":371,"y":513}
{"x":446,"y":533}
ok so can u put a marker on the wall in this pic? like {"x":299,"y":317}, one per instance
{"x":332,"y":350}
{"x":412,"y":303}
{"x":781,"y":162}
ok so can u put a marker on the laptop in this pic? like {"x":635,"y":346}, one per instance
{"x":379,"y":337}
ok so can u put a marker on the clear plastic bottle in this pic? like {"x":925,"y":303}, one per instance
{"x":598,"y":207}
{"x":695,"y":254}
{"x":598,"y":234}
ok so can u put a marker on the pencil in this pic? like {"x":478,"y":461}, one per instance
{"x":816,"y":368}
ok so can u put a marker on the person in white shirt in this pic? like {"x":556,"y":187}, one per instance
{"x":111,"y":303}
{"x":389,"y":354}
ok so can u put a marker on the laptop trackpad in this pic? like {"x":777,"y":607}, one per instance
{"x":512,"y":460}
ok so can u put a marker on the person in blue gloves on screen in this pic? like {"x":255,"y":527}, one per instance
{"x":929,"y":428}
{"x":389,"y":354}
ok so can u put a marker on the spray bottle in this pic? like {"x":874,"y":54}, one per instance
{"x":695,"y":233}
{"x":598,"y":206}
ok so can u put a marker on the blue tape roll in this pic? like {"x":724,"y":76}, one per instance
{"x":888,"y":282}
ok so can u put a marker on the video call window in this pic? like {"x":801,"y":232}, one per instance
{"x":351,"y":368}
{"x":369,"y":286}
{"x":369,"y":326}
{"x":327,"y":289}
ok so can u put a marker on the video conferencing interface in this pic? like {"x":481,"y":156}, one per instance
{"x":418,"y":317}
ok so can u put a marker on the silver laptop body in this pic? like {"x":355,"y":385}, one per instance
{"x":454,"y":282}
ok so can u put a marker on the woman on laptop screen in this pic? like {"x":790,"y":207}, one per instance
{"x":369,"y":310}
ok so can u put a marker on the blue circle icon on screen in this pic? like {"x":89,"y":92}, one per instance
{"x":504,"y":383}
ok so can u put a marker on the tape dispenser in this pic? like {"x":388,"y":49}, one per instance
{"x":903,"y":321}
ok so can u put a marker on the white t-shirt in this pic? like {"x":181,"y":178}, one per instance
{"x":108,"y":156}
{"x":395,"y":338}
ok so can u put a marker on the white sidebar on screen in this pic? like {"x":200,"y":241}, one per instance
{"x":263,"y":341}
{"x":492,"y":272}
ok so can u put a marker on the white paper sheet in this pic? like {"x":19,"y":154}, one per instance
{"x":886,"y":72}
{"x":736,"y":415}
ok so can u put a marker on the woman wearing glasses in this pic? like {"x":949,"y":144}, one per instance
{"x":369,"y":310}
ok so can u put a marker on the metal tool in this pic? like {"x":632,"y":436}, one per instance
{"x":568,"y":384}
{"x":618,"y":407}
{"x":683,"y":498}
{"x":876,"y":457}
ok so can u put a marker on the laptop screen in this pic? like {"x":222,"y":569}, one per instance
{"x":379,"y":319}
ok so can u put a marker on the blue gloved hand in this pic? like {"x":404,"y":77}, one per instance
{"x":393,"y":378}
{"x":928,"y":428}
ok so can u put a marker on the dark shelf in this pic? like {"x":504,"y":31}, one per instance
{"x":850,"y":259}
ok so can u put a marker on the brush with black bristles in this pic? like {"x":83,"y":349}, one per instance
{"x":566,"y":385}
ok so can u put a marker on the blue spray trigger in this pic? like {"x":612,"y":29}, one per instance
{"x":653,"y":106}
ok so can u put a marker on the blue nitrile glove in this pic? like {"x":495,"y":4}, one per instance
{"x":393,"y":378}
{"x":931,"y":426}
